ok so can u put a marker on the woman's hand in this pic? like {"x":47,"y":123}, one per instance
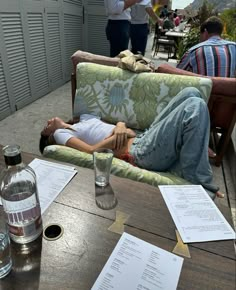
{"x":120,"y":135}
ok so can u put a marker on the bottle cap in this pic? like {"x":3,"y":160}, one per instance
{"x":12,"y":154}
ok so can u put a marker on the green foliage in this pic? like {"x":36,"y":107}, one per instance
{"x":229,"y":18}
{"x":205,"y":11}
{"x":192,"y":38}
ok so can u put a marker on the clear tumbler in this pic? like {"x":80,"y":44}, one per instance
{"x":102,"y":160}
{"x":5,"y":251}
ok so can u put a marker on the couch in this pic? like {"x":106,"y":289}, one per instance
{"x":116,"y":94}
{"x":221,"y":104}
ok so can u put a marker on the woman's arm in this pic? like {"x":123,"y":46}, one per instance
{"x":115,"y":7}
{"x":121,"y":133}
{"x":153,"y":15}
{"x":129,"y":3}
{"x":84,"y":147}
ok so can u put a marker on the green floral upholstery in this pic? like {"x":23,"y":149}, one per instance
{"x":121,"y":95}
{"x":119,"y":167}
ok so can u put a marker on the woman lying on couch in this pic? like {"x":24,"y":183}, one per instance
{"x":176,"y":141}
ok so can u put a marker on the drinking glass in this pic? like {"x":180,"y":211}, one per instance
{"x":102,"y":160}
{"x":5,"y":251}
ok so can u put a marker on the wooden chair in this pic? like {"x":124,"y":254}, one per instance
{"x":160,"y":41}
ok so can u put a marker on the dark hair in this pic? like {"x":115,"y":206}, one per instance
{"x":43,"y":142}
{"x":212,"y":25}
{"x":175,"y":15}
{"x":169,"y":13}
{"x":162,"y":15}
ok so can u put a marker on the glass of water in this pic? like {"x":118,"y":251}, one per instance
{"x":5,"y":251}
{"x":102,"y":160}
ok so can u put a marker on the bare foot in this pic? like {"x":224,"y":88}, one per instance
{"x":211,"y":153}
{"x":220,"y":194}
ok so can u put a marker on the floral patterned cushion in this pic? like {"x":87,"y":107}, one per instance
{"x":120,"y":95}
{"x":119,"y":167}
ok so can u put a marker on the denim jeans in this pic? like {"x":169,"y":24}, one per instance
{"x":177,"y":141}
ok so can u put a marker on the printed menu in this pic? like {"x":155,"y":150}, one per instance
{"x":135,"y":264}
{"x":195,"y":215}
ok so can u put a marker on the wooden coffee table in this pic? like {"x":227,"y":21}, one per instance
{"x":75,"y":260}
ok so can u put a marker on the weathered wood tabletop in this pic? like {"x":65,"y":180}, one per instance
{"x":75,"y":260}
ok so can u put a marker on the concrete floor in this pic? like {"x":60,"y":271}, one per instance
{"x":24,"y":127}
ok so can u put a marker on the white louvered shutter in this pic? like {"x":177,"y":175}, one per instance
{"x":37,"y":51}
{"x":11,"y":23}
{"x":73,"y":26}
{"x":4,"y":98}
{"x":54,"y":47}
{"x":96,"y":20}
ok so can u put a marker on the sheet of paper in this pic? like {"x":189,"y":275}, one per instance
{"x":51,"y":177}
{"x":135,"y":264}
{"x":144,"y":2}
{"x":195,"y":215}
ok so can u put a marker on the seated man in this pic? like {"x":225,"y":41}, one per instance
{"x":176,"y":141}
{"x":213,"y":56}
{"x":169,"y":21}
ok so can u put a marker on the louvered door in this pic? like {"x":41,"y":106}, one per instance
{"x":95,"y":23}
{"x":12,"y":35}
{"x":37,"y":54}
{"x":5,"y":108}
{"x":54,"y":46}
{"x":37,"y":39}
{"x":72,"y":32}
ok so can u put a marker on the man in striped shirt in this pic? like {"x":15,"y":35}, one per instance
{"x":213,"y":56}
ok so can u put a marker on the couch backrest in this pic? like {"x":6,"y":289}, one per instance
{"x":120,"y":95}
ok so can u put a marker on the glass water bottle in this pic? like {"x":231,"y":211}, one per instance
{"x":20,"y":197}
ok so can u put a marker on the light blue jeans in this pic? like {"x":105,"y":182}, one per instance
{"x":177,"y":141}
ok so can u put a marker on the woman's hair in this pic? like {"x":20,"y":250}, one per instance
{"x":43,"y":142}
{"x":212,"y":25}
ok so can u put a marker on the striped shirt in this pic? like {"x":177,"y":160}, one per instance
{"x":213,"y":57}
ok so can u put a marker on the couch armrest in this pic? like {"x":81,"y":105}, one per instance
{"x":221,"y":86}
{"x":83,"y":56}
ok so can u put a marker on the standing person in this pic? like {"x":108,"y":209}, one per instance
{"x":139,"y":28}
{"x":213,"y":56}
{"x":118,"y":25}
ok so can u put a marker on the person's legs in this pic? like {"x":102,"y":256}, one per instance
{"x":117,"y":32}
{"x":178,"y":140}
{"x":176,"y":101}
{"x":138,"y":36}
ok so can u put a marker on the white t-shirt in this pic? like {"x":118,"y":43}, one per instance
{"x":90,"y":129}
{"x":139,"y":14}
{"x":115,"y":10}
